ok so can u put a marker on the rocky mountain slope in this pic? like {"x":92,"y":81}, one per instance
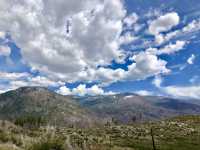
{"x":43,"y":104}
{"x":127,"y":108}
{"x":40,"y":102}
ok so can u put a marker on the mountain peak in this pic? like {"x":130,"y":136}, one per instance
{"x":39,"y":101}
{"x":33,"y":88}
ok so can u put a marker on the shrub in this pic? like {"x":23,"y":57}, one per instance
{"x":48,"y":143}
{"x":30,"y":121}
{"x":4,"y":137}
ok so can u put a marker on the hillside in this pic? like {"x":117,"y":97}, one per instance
{"x":40,"y":102}
{"x":181,"y":133}
{"x":127,"y":108}
{"x":53,"y":121}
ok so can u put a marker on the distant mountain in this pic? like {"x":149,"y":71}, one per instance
{"x":129,"y":107}
{"x":40,"y":102}
{"x":90,"y":110}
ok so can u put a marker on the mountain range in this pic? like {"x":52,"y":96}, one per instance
{"x":90,"y":110}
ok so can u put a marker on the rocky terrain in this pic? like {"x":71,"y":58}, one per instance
{"x":128,"y":107}
{"x":44,"y":105}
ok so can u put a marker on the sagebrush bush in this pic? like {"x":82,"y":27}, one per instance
{"x":30,"y":121}
{"x":48,"y":143}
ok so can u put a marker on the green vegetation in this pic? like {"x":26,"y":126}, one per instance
{"x":30,"y":121}
{"x":180,"y":133}
{"x":38,"y":119}
{"x":49,"y":142}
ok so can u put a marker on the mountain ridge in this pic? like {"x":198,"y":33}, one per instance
{"x":37,"y":101}
{"x":88,"y":110}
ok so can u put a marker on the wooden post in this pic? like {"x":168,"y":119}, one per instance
{"x":153,"y":141}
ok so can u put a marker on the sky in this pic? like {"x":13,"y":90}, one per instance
{"x":101,"y":47}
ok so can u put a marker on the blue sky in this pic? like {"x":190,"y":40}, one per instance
{"x":145,"y":47}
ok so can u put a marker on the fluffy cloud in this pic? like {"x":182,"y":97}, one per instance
{"x":6,"y":79}
{"x":164,"y":23}
{"x":64,"y":91}
{"x":4,"y":50}
{"x":172,"y":48}
{"x":82,"y":90}
{"x":43,"y":81}
{"x":168,"y":49}
{"x":191,"y":59}
{"x":11,"y":81}
{"x":95,"y":28}
{"x":183,"y":92}
{"x":146,"y":65}
{"x":13,"y":76}
{"x":192,"y":91}
{"x":188,"y":29}
{"x":144,"y":93}
{"x":34,"y":81}
{"x":192,"y":27}
{"x":94,"y":41}
{"x":94,"y":90}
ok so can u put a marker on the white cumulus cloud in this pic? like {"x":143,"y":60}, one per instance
{"x":183,"y":91}
{"x":93,"y":43}
{"x":168,"y":49}
{"x":172,"y":48}
{"x":189,"y":29}
{"x":64,"y":91}
{"x":188,"y":91}
{"x":13,"y":76}
{"x":95,"y":28}
{"x":164,"y":23}
{"x":82,"y":90}
{"x":13,"y":80}
{"x":146,"y":65}
{"x":144,"y":93}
